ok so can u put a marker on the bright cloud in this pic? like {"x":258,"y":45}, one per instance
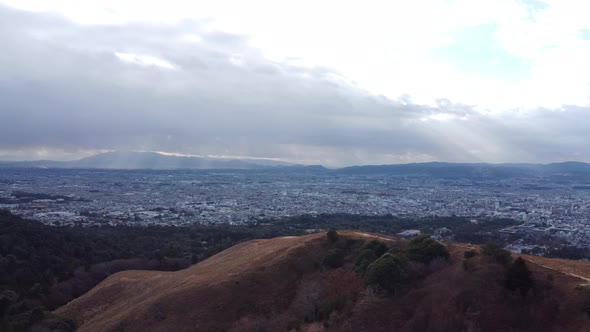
{"x":144,"y":60}
{"x":333,"y":82}
{"x":520,"y":54}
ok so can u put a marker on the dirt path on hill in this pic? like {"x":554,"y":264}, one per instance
{"x":537,"y":261}
{"x":373,"y":236}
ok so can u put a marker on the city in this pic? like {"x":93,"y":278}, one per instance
{"x":238,"y":197}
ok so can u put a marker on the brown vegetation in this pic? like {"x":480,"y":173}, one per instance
{"x":280,"y":285}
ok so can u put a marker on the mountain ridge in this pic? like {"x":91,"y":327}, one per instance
{"x":157,"y":161}
{"x":148,"y":160}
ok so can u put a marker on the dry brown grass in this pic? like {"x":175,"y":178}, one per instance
{"x":268,"y":283}
{"x":206,"y":297}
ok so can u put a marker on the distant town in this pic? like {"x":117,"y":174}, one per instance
{"x":543,"y":206}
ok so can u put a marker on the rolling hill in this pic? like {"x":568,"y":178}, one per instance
{"x":293,"y":283}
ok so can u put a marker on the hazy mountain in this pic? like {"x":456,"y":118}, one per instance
{"x":481,"y":170}
{"x":149,"y":160}
{"x":153,"y":160}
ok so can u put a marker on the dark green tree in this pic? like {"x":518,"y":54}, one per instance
{"x":363,"y":260}
{"x":378,"y":247}
{"x":332,"y":235}
{"x":424,"y":249}
{"x":519,"y":277}
{"x":388,"y":272}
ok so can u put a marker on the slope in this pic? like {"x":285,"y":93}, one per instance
{"x":288,"y":283}
{"x":208,"y":296}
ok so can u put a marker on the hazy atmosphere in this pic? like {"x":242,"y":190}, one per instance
{"x":335,"y":83}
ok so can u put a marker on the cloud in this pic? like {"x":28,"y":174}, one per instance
{"x":429,"y":49}
{"x":145,"y":60}
{"x":186,"y":88}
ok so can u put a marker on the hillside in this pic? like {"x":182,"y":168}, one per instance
{"x":44,"y":267}
{"x":208,"y":296}
{"x":311,"y":283}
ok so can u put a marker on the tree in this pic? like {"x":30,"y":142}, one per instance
{"x":498,"y":254}
{"x":363,"y":260}
{"x":369,"y":252}
{"x":388,"y":272}
{"x":519,"y":277}
{"x":424,"y":249}
{"x":332,"y":235}
{"x":378,"y":247}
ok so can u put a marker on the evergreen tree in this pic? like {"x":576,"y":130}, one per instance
{"x":332,"y":235}
{"x":519,"y":277}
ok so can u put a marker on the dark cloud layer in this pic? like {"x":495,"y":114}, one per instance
{"x":62,"y":86}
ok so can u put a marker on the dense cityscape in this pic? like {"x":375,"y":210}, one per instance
{"x":109,"y":197}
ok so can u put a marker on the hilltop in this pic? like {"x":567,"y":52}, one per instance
{"x":349,"y":281}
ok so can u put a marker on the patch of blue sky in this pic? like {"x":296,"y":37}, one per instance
{"x":476,"y":51}
{"x":534,"y":6}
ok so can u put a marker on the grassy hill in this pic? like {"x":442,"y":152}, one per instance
{"x":44,"y":267}
{"x":350,"y":281}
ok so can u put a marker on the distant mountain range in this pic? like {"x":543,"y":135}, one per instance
{"x":148,"y":160}
{"x":157,"y":161}
{"x":476,"y":170}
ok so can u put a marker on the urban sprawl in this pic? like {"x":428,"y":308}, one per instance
{"x":104,"y":197}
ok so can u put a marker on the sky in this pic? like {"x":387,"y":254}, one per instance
{"x":326,"y":82}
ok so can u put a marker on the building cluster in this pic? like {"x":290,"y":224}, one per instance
{"x":94,"y":197}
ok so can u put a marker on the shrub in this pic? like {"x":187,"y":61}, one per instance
{"x":330,"y":305}
{"x":389,"y":272}
{"x":519,"y":277}
{"x":424,"y":249}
